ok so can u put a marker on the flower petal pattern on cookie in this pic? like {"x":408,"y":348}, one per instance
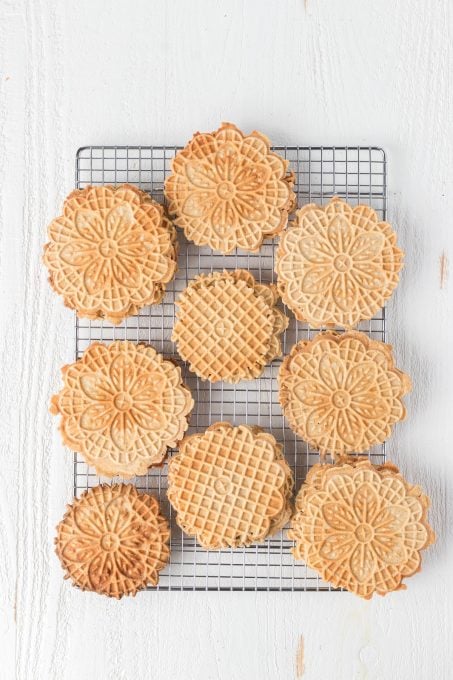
{"x":362,"y":527}
{"x":111,"y":252}
{"x":337,"y":265}
{"x":229,"y":190}
{"x":112,"y":540}
{"x":342,"y":392}
{"x":122,"y":406}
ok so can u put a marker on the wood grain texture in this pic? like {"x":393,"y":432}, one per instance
{"x":150,"y":71}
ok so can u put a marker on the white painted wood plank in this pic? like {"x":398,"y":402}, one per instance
{"x":143,"y":72}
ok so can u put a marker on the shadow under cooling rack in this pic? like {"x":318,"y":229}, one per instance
{"x":357,"y":174}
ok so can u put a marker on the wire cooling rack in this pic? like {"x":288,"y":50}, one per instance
{"x":359,"y":175}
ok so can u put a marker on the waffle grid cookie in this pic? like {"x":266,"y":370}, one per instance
{"x":337,"y":265}
{"x":227,"y":326}
{"x":228,"y":190}
{"x":122,"y":405}
{"x":230,"y":486}
{"x":342,"y":392}
{"x":361,"y":527}
{"x":113,"y":540}
{"x":111,"y":252}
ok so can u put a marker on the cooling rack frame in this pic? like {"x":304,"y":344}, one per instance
{"x":358,"y":174}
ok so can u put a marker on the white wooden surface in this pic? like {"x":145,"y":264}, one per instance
{"x":319,"y":71}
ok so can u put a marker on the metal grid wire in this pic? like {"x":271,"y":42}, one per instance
{"x":359,"y":175}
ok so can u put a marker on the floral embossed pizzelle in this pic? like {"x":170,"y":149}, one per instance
{"x":342,"y":392}
{"x":111,"y":252}
{"x":227,"y":326}
{"x":122,"y":406}
{"x":337,"y":264}
{"x":361,"y":527}
{"x":229,"y":190}
{"x":113,"y":540}
{"x":230,"y":486}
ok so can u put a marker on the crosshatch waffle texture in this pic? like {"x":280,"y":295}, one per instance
{"x":356,"y":174}
{"x":240,"y":473}
{"x":228,"y":327}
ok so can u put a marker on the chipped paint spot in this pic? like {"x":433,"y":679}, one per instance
{"x":300,"y":665}
{"x":443,"y":270}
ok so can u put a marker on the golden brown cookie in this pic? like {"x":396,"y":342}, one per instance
{"x":361,"y":527}
{"x":227,"y":326}
{"x":111,"y":252}
{"x":113,"y":540}
{"x":337,"y":264}
{"x":230,"y":486}
{"x":229,"y":190}
{"x":342,"y":392}
{"x":122,"y":406}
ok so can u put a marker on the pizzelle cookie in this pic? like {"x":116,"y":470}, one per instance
{"x":230,"y":486}
{"x":337,"y":264}
{"x":361,"y":527}
{"x":228,"y":190}
{"x":113,"y":540}
{"x":111,"y":252}
{"x":342,"y":392}
{"x":227,"y":326}
{"x":122,"y":405}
